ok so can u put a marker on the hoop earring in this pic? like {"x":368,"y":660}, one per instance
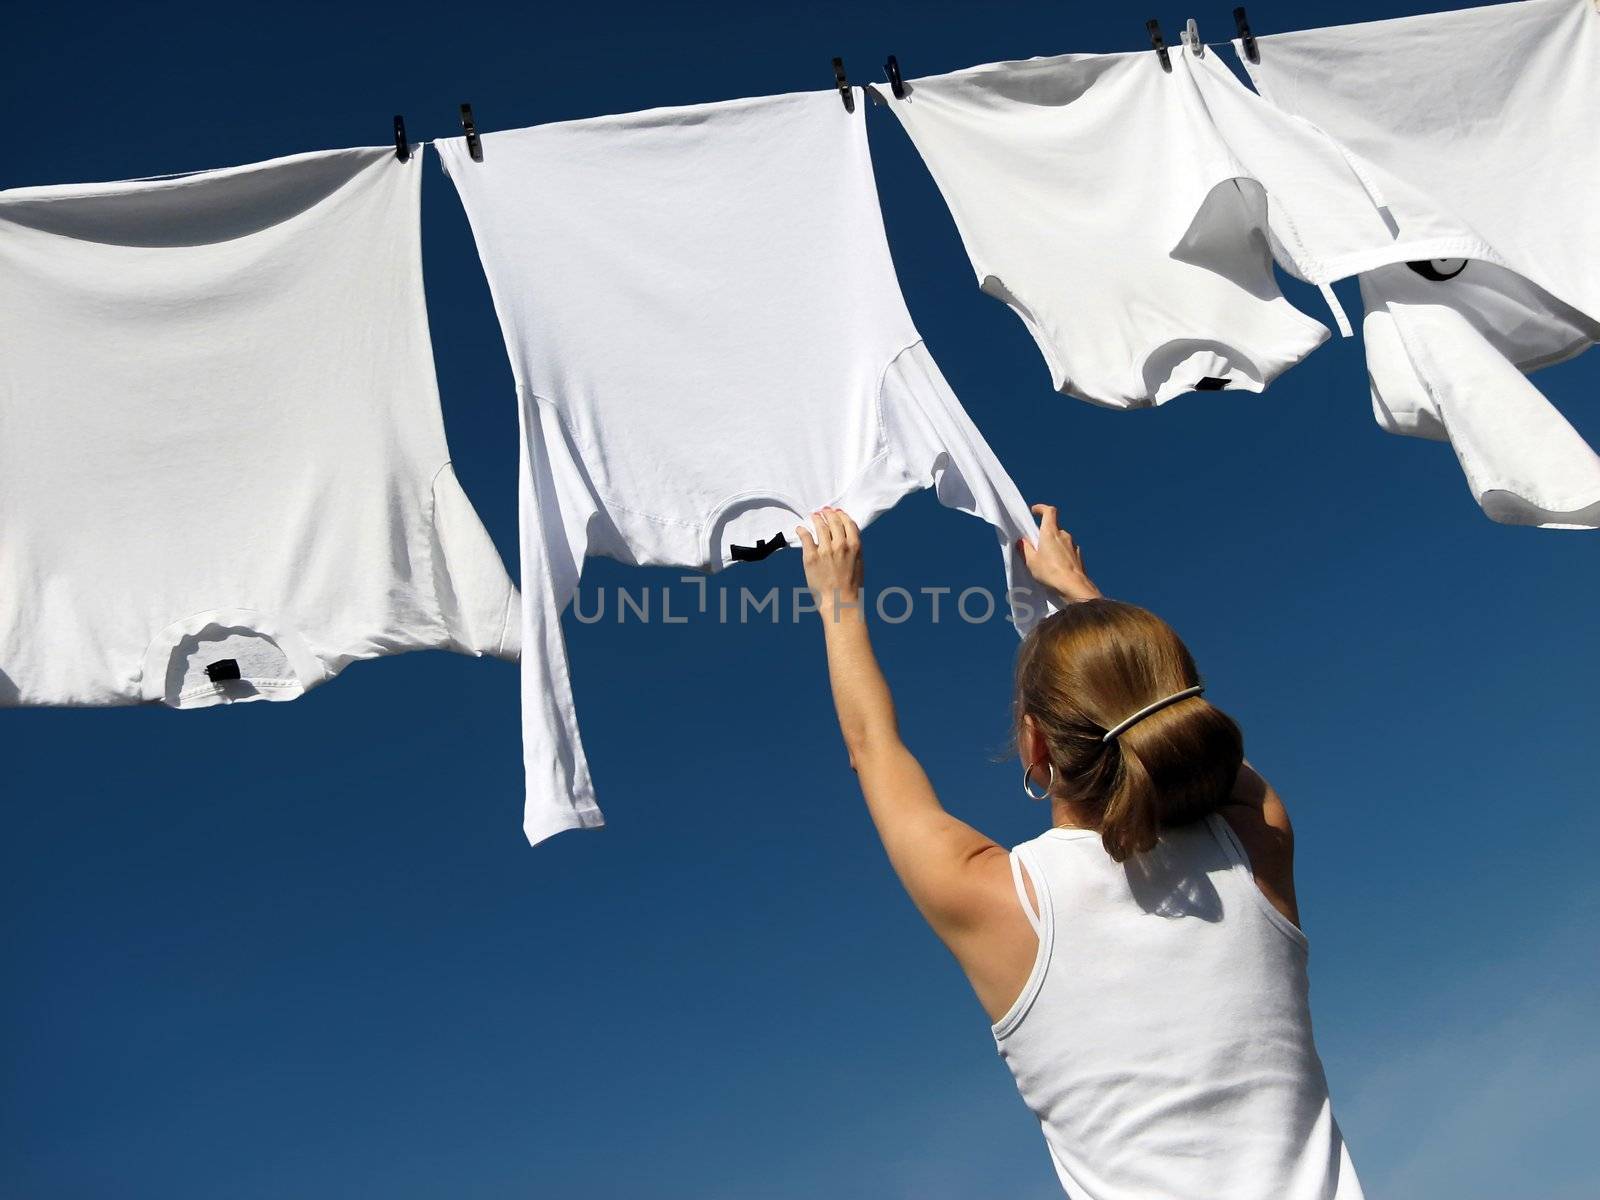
{"x":1027,"y":774}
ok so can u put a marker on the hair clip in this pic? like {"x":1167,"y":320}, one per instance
{"x":1129,"y":722}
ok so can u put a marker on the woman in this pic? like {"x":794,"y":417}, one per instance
{"x":1141,"y":960}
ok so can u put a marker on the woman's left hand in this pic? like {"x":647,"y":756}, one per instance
{"x":833,"y":563}
{"x":1057,"y":561}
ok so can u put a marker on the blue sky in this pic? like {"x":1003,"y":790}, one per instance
{"x":303,"y":949}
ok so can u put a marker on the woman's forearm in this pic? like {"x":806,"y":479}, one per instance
{"x":940,"y":859}
{"x":861,"y":695}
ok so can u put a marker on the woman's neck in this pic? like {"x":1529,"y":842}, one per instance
{"x":1064,"y":814}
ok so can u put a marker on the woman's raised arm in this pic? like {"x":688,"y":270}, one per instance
{"x":959,"y":879}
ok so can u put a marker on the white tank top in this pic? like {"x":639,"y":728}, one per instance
{"x":1164,"y":1037}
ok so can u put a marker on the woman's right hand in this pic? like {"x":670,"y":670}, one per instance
{"x":833,"y":563}
{"x":1056,"y":561}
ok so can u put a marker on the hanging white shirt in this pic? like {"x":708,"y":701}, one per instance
{"x":1470,"y":135}
{"x":1473,"y":128}
{"x":223,"y":471}
{"x":1095,"y":198}
{"x":1445,"y":359}
{"x":709,"y":344}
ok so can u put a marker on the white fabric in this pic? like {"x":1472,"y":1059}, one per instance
{"x":1473,"y":128}
{"x":1446,"y":359}
{"x":1325,"y":217}
{"x":220,"y":438}
{"x":709,"y":343}
{"x":1469,"y":136}
{"x":1095,"y":198}
{"x":1163,"y":1038}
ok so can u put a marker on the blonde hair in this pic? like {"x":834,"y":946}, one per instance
{"x":1090,"y":666}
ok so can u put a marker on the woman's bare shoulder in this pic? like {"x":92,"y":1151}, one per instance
{"x":1260,"y":820}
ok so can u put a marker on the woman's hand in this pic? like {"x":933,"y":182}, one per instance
{"x":1057,"y":562}
{"x":832,"y":560}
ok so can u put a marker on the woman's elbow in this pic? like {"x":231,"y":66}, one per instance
{"x":868,"y":744}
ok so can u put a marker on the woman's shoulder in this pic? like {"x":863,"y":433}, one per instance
{"x":1259,"y":819}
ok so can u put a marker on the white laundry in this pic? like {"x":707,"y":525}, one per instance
{"x":1472,"y":128}
{"x":223,"y":472}
{"x":1163,"y":1038}
{"x":1322,"y":221}
{"x":1447,"y":362}
{"x":1469,"y":137}
{"x":1095,"y":198}
{"x":709,"y":343}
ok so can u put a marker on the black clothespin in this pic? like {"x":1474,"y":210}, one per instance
{"x":402,"y":148}
{"x":843,"y":84}
{"x":762,"y":549}
{"x":470,"y":128}
{"x":1153,"y":26}
{"x":896,"y":84}
{"x":1242,"y":24}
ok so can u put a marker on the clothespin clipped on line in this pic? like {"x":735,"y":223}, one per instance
{"x":1251,"y":50}
{"x":843,"y":84}
{"x":402,"y":148}
{"x":896,"y":84}
{"x":470,"y":128}
{"x":1153,"y":28}
{"x":1191,"y":39}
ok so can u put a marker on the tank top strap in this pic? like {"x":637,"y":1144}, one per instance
{"x":1028,"y":908}
{"x":1025,"y":866}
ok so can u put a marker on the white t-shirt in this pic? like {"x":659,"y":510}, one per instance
{"x":709,"y":343}
{"x":1163,"y":1038}
{"x":1473,"y":128}
{"x":1097,"y":200}
{"x":223,"y":472}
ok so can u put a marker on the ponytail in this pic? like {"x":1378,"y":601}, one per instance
{"x":1081,"y":675}
{"x":1131,"y":820}
{"x":1176,"y":767}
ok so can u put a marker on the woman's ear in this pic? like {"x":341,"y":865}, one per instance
{"x":1031,"y":746}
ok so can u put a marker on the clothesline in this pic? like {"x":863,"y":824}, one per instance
{"x":1245,"y":44}
{"x":891,"y":67}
